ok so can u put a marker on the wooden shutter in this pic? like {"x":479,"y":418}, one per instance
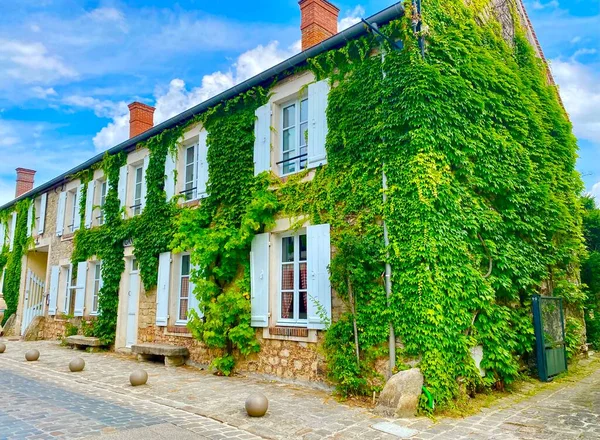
{"x":262,"y":139}
{"x":319,"y":287}
{"x":317,"y":123}
{"x":77,"y":216}
{"x":170,"y":166}
{"x":144,"y":187}
{"x":122,"y":186}
{"x":162,"y":289}
{"x":29,"y":219}
{"x":60,"y":217}
{"x":259,"y":280}
{"x":89,"y":203}
{"x":13,"y":227}
{"x":82,"y":268}
{"x":202,"y":174}
{"x":53,"y":293}
{"x":42,"y":214}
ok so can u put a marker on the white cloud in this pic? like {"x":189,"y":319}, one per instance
{"x":104,"y":15}
{"x":352,"y":17}
{"x":583,"y":51}
{"x":539,"y":5}
{"x":42,"y":93}
{"x":578,"y":86}
{"x":101,"y":108}
{"x":595,"y":192}
{"x":177,"y":97}
{"x":35,"y":28}
{"x":31,"y":62}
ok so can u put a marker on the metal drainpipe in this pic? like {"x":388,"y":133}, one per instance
{"x":386,"y":241}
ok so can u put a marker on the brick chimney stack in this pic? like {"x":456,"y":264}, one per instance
{"x":141,"y":118}
{"x":24,"y":181}
{"x":319,"y":21}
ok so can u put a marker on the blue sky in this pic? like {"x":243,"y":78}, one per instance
{"x":68,"y":68}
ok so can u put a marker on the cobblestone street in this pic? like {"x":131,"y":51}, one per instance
{"x":44,"y":400}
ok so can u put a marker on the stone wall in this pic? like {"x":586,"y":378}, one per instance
{"x":54,"y":328}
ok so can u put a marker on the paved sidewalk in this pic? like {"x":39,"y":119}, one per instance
{"x":196,"y":401}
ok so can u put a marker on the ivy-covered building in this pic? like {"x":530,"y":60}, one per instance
{"x":405,"y":184}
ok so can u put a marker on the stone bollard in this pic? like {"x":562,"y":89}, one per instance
{"x":257,"y":405}
{"x":77,"y":364}
{"x":2,"y":347}
{"x":138,"y":377}
{"x":32,"y":355}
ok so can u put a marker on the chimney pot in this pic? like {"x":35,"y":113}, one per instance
{"x":319,"y":21}
{"x":141,"y":118}
{"x":25,"y":178}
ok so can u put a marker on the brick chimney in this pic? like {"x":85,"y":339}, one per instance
{"x":24,"y":181}
{"x":141,"y":118}
{"x":319,"y":21}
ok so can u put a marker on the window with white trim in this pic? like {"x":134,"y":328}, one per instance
{"x":103,"y":188}
{"x":189,"y":189}
{"x":294,"y":136}
{"x":97,"y":286}
{"x":293,"y":289}
{"x":71,"y":289}
{"x":138,"y":174}
{"x":183,"y":298}
{"x":73,"y":219}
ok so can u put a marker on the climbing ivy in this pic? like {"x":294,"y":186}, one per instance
{"x":13,"y":259}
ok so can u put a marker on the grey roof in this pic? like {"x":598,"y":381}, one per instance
{"x":277,"y":72}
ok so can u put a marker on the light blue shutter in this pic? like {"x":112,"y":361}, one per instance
{"x":60,"y":216}
{"x":82,"y":268}
{"x":317,"y":123}
{"x":170,"y":166}
{"x":193,"y":300}
{"x":319,"y":287}
{"x":202,"y":173}
{"x":2,"y":234}
{"x":77,"y":216}
{"x":53,"y":293}
{"x":89,"y":203}
{"x":122,"y":186}
{"x":162,"y":289}
{"x":29,"y":219}
{"x":259,"y":280}
{"x":144,"y":187}
{"x":262,"y":139}
{"x":13,"y":227}
{"x":42,"y":214}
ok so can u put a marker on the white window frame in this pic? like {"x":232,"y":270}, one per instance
{"x":192,"y":192}
{"x":180,"y":278}
{"x":97,"y":285}
{"x":75,"y":223}
{"x":70,"y":291}
{"x":102,"y":199}
{"x":137,"y":202}
{"x":298,"y":137}
{"x":295,"y":321}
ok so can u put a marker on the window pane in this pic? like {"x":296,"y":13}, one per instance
{"x":185,"y":265}
{"x":289,"y":143}
{"x":287,"y":277}
{"x":134,"y":264}
{"x":287,"y":249}
{"x":138,"y":175}
{"x":289,"y":116}
{"x":287,"y":305}
{"x":303,"y":299}
{"x":98,"y":271}
{"x":302,"y":239}
{"x":304,"y":110}
{"x":183,"y":307}
{"x":303,"y":134}
{"x":189,"y":155}
{"x":302,"y":276}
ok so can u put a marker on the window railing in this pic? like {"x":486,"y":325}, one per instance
{"x":190,"y":194}
{"x":300,"y":156}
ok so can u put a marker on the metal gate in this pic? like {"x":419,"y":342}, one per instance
{"x":34,"y":300}
{"x":549,"y":326}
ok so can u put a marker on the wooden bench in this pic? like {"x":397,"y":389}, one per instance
{"x":174,"y":355}
{"x":83,"y":342}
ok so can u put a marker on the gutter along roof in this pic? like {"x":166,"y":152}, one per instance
{"x":263,"y":78}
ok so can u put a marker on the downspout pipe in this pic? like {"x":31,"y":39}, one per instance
{"x":281,"y":70}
